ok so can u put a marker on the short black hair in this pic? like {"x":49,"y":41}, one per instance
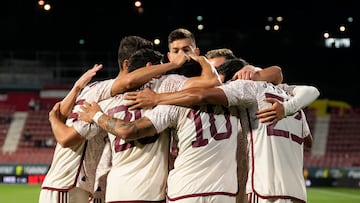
{"x":181,"y":33}
{"x":189,"y":69}
{"x":222,"y":52}
{"x":143,"y":56}
{"x":129,"y":45}
{"x":230,"y":67}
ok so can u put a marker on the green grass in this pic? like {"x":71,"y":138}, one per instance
{"x":30,"y":194}
{"x":15,"y":193}
{"x":333,"y":195}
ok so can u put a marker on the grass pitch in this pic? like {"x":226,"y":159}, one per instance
{"x":15,"y":193}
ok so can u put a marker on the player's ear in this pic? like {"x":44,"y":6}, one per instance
{"x":125,"y":65}
{"x":197,"y":51}
{"x":169,"y":56}
{"x":148,"y":64}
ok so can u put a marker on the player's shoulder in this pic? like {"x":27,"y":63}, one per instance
{"x":171,"y":82}
{"x":100,"y":82}
{"x":173,"y":77}
{"x":93,"y":86}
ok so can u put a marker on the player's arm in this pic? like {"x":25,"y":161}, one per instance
{"x":142,"y":75}
{"x":272,"y":74}
{"x":68,"y":101}
{"x":187,"y":97}
{"x":66,"y":136}
{"x":303,"y":95}
{"x":308,"y":141}
{"x":120,"y":128}
{"x":209,"y":76}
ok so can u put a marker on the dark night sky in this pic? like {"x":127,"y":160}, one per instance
{"x":298,"y":48}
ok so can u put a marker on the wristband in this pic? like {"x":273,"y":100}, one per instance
{"x":97,"y":116}
{"x":256,"y":69}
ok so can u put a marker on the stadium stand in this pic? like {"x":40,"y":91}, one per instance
{"x":340,"y":147}
{"x":17,"y":150}
{"x":335,"y":124}
{"x":342,"y":140}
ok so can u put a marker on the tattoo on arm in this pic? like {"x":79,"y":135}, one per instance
{"x":135,"y":129}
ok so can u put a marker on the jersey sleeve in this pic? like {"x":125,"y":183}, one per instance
{"x":102,"y":90}
{"x":96,"y":91}
{"x":162,"y":116}
{"x":85,"y":129}
{"x":172,"y":83}
{"x":287,"y":88}
{"x":240,"y":92}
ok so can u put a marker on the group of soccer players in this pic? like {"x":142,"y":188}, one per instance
{"x":109,"y":151}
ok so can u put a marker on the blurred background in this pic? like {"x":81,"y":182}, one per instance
{"x":315,"y":42}
{"x":45,"y":45}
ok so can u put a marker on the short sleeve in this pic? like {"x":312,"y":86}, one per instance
{"x":240,"y":92}
{"x":172,"y":83}
{"x":85,"y":129}
{"x":162,"y":116}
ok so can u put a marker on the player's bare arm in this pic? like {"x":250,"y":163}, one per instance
{"x":209,"y":76}
{"x":67,"y":136}
{"x":123,"y":129}
{"x":143,"y":75}
{"x":308,"y":141}
{"x":69,"y":100}
{"x":187,"y":97}
{"x":64,"y":135}
{"x":272,"y":74}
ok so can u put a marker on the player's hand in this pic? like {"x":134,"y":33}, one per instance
{"x":87,"y":76}
{"x":145,"y":99}
{"x":198,"y":58}
{"x":55,"y":113}
{"x":88,"y":111}
{"x":179,"y":59}
{"x":272,"y":114}
{"x":245,"y":73}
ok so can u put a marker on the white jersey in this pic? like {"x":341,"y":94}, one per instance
{"x":66,"y":169}
{"x":206,"y":161}
{"x":276,"y":151}
{"x":139,"y":168}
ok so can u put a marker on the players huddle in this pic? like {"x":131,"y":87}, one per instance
{"x":190,"y":129}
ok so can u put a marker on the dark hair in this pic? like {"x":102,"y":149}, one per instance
{"x":189,"y":69}
{"x":223,"y":52}
{"x":230,"y":67}
{"x":143,"y":56}
{"x":181,"y":33}
{"x":129,"y":45}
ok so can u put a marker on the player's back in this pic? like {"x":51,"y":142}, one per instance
{"x":66,"y":163}
{"x":206,"y":161}
{"x":142,"y":162}
{"x":275,"y":151}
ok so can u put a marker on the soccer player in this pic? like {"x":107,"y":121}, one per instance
{"x":71,"y":175}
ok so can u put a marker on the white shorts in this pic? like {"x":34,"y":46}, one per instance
{"x":253,"y":198}
{"x":75,"y":195}
{"x":206,"y":199}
